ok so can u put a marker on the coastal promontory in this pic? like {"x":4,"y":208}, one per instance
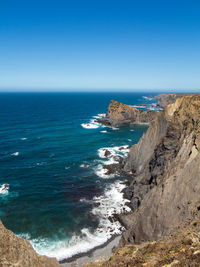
{"x":119,"y":114}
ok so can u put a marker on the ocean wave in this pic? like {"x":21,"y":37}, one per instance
{"x":148,"y":98}
{"x":4,"y":192}
{"x":114,"y":151}
{"x":110,"y":158}
{"x":23,"y":138}
{"x":41,"y":163}
{"x":154,"y":107}
{"x":15,"y":154}
{"x":66,"y":167}
{"x":92,"y":124}
{"x":138,"y":106}
{"x":89,"y":125}
{"x":102,"y":172}
{"x":103,"y":131}
{"x":105,"y":206}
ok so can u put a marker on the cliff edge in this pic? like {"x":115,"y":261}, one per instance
{"x":15,"y":251}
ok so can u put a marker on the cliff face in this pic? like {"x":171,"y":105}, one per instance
{"x":15,"y":251}
{"x":119,"y":114}
{"x":166,"y":172}
{"x":166,"y":99}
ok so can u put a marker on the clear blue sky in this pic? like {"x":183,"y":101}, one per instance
{"x":99,"y":44}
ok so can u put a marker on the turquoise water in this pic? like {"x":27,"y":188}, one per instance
{"x":59,"y":206}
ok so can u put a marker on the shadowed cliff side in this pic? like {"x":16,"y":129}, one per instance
{"x":119,"y":114}
{"x":15,"y":251}
{"x":166,"y":172}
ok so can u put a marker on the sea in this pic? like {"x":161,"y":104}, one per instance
{"x":51,"y":155}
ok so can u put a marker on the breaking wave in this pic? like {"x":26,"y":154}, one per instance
{"x":111,"y":202}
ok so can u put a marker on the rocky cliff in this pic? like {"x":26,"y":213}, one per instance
{"x":15,"y":251}
{"x":164,"y":191}
{"x":165,"y":167}
{"x":166,"y":99}
{"x":119,"y":114}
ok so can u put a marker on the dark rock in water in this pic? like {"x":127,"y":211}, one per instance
{"x":114,"y":168}
{"x":112,"y":219}
{"x":118,"y":159}
{"x":97,"y":204}
{"x":107,"y":153}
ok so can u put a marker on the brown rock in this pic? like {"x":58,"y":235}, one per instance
{"x":15,"y":251}
{"x":119,"y":114}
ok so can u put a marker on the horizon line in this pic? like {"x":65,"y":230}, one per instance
{"x":54,"y":90}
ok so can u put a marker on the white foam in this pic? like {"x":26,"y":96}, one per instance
{"x":101,"y":115}
{"x":4,"y":192}
{"x":40,"y":163}
{"x":96,"y":117}
{"x":148,"y":98}
{"x":130,"y":140}
{"x":115,"y":128}
{"x":93,"y":124}
{"x":103,"y":131}
{"x":85,"y":200}
{"x":84,"y":166}
{"x":102,"y":172}
{"x":137,"y":106}
{"x":109,"y":203}
{"x":66,"y":168}
{"x":132,"y":130}
{"x":24,"y":138}
{"x":115,"y":151}
{"x":89,"y":126}
{"x":15,"y":154}
{"x":154,"y":107}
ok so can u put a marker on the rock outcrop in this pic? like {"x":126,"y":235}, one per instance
{"x":119,"y":114}
{"x":15,"y":251}
{"x":165,"y":167}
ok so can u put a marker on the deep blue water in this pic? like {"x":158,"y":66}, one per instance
{"x":52,"y":199}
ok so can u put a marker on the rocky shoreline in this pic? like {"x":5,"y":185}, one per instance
{"x":163,"y":184}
